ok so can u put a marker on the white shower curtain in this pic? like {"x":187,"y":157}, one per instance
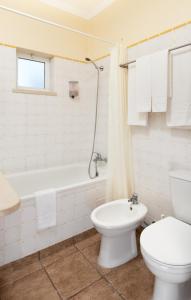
{"x":120,"y":171}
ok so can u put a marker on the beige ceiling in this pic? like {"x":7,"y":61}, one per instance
{"x":83,"y":8}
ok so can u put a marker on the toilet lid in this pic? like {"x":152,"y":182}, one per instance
{"x":168,"y":241}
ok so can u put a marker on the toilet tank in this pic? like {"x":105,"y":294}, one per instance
{"x":180,"y":187}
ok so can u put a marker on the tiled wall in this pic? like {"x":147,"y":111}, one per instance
{"x":40,"y":131}
{"x":18,"y":231}
{"x":157,"y":148}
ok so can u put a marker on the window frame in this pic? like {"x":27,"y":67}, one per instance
{"x":45,"y":61}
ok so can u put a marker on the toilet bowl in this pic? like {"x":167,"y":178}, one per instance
{"x":166,"y":244}
{"x":166,"y":249}
{"x":116,"y":221}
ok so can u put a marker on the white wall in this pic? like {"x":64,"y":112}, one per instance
{"x":157,"y":148}
{"x":43,"y":131}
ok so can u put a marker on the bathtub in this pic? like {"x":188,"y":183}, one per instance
{"x":76,"y":197}
{"x":60,"y":178}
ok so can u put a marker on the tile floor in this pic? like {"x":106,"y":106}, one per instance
{"x":69,"y":270}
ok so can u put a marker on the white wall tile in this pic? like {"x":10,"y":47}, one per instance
{"x":40,"y":131}
{"x":12,"y":252}
{"x":19,"y":235}
{"x":12,"y":235}
{"x":13,"y":219}
{"x":157,"y":148}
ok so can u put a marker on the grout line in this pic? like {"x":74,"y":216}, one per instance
{"x":49,"y":277}
{"x":93,"y":266}
{"x":59,"y":258}
{"x":44,"y":269}
{"x":89,"y":285}
{"x":103,"y":276}
{"x":115,"y":289}
{"x":21,"y":278}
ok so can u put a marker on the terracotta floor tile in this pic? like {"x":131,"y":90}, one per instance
{"x":72,"y":274}
{"x":99,"y":290}
{"x":72,"y":267}
{"x":57,"y":247}
{"x":84,"y":235}
{"x":53,"y":253}
{"x":88,"y":241}
{"x":133,"y":280}
{"x":35,"y":286}
{"x":19,"y":269}
{"x":91,"y":253}
{"x":5,"y":275}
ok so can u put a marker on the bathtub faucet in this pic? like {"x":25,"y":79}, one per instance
{"x":99,"y":157}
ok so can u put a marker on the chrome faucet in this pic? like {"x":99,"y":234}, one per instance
{"x":99,"y":157}
{"x":134,"y":199}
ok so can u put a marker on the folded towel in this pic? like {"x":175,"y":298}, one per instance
{"x":134,"y":117}
{"x":143,"y":84}
{"x":179,"y":105}
{"x":159,"y":80}
{"x":46,"y":208}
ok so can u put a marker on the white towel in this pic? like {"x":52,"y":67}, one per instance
{"x":143,"y":84}
{"x":179,"y":105}
{"x":46,"y":208}
{"x":159,"y":80}
{"x":134,"y":117}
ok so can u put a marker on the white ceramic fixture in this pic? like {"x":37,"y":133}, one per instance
{"x":166,"y":244}
{"x":117,"y":221}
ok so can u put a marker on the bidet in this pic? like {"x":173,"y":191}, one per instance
{"x":117,"y":221}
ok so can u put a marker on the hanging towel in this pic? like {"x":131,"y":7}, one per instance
{"x":179,"y":104}
{"x":134,"y":117}
{"x":159,"y":80}
{"x":46,"y":208}
{"x":143,"y":84}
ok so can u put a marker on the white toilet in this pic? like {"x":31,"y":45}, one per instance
{"x":117,"y":221}
{"x":166,"y":244}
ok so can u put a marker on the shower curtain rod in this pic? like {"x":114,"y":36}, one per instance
{"x":54,"y":24}
{"x":170,"y":50}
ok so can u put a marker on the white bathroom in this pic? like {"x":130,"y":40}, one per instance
{"x":95,"y":150}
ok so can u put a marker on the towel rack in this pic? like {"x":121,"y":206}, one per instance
{"x":170,"y":50}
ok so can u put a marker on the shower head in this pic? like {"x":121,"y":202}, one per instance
{"x":97,"y":68}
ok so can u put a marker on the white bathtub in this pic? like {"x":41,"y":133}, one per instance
{"x":77,"y":196}
{"x":59,"y":178}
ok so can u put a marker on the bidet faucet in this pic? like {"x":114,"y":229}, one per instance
{"x":134,"y":199}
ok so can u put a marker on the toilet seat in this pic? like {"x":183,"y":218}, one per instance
{"x":166,"y":267}
{"x":168,"y":242}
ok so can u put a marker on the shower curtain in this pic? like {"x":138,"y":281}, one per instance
{"x":120,"y":172}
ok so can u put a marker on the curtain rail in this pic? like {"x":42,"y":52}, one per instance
{"x":125,"y":66}
{"x":2,"y":7}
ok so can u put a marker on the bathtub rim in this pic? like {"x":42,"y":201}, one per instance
{"x":102,"y":177}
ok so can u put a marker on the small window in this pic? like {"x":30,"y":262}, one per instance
{"x":32,"y":72}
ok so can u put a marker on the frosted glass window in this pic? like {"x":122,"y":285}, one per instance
{"x":31,"y":73}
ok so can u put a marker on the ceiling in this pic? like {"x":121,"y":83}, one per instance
{"x":86,"y":9}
